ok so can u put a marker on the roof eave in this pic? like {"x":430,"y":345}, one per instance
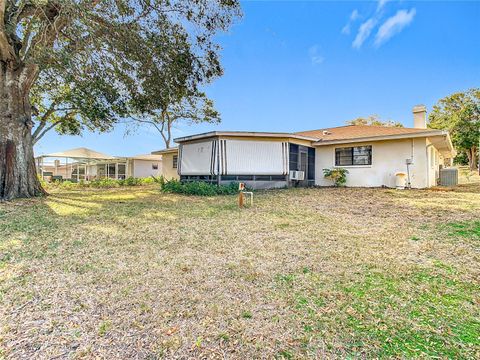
{"x":165,"y":151}
{"x":381,"y":137}
{"x":243,"y":134}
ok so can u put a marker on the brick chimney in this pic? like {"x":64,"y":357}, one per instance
{"x":420,"y":117}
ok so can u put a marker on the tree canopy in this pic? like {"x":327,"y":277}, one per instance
{"x":459,"y":113}
{"x":138,"y":58}
{"x":76,"y":64}
{"x":193,"y":108}
{"x":374,"y":120}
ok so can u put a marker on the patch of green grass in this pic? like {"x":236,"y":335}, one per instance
{"x":247,"y":314}
{"x":286,"y":278}
{"x":425,"y":313}
{"x":104,"y":327}
{"x":224,"y":336}
{"x":284,"y":354}
{"x":470,"y":230}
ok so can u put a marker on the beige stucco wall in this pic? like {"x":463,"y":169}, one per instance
{"x":434,"y":161}
{"x":388,"y":158}
{"x":144,"y":168}
{"x":168,"y":171}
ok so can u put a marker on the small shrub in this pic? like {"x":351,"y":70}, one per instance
{"x":104,"y":183}
{"x":148,"y":181}
{"x":337,"y":175}
{"x":130,"y":181}
{"x":160,"y":180}
{"x":67,"y":184}
{"x":198,"y":188}
{"x":43,"y":183}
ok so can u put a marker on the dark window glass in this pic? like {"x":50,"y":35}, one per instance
{"x":311,"y":164}
{"x":293,"y":157}
{"x":175,"y":161}
{"x":245,"y":177}
{"x":154,"y":166}
{"x":344,"y":156}
{"x":229,"y":177}
{"x":111,"y":171}
{"x":262,"y":177}
{"x":360,"y":155}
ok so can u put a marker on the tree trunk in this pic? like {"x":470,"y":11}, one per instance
{"x":472,"y":158}
{"x":18,"y":177}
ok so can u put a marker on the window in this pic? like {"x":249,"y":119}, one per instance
{"x":175,"y":161}
{"x":154,"y":166}
{"x":111,"y":171}
{"x":121,"y":171}
{"x":360,"y":155}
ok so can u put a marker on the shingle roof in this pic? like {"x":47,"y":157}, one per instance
{"x":359,"y":131}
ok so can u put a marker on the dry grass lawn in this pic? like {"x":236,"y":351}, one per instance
{"x":134,"y":273}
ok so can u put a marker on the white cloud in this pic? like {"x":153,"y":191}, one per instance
{"x":353,"y":16}
{"x":394,"y":25}
{"x":381,"y":4}
{"x":364,"y":32}
{"x":346,"y":29}
{"x":315,"y":57}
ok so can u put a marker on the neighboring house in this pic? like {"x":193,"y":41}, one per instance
{"x":86,"y":164}
{"x":142,"y":166}
{"x":373,"y":155}
{"x":169,"y":162}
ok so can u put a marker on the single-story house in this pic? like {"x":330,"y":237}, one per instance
{"x":169,"y":162}
{"x":86,"y":164}
{"x":373,"y":155}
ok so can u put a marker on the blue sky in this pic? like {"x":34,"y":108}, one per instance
{"x":295,"y":65}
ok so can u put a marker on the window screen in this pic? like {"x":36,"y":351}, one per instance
{"x":359,"y":155}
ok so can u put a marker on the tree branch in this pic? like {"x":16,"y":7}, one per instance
{"x":43,"y":120}
{"x":38,"y":137}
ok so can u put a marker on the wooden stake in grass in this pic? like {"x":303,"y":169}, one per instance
{"x":241,"y":187}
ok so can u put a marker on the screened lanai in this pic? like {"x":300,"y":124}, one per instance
{"x":80,"y":164}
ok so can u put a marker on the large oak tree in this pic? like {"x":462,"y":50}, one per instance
{"x":459,"y":113}
{"x":90,"y":62}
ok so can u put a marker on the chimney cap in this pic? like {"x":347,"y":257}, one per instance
{"x":419,"y":108}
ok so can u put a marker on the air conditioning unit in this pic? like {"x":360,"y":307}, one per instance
{"x":297,"y":175}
